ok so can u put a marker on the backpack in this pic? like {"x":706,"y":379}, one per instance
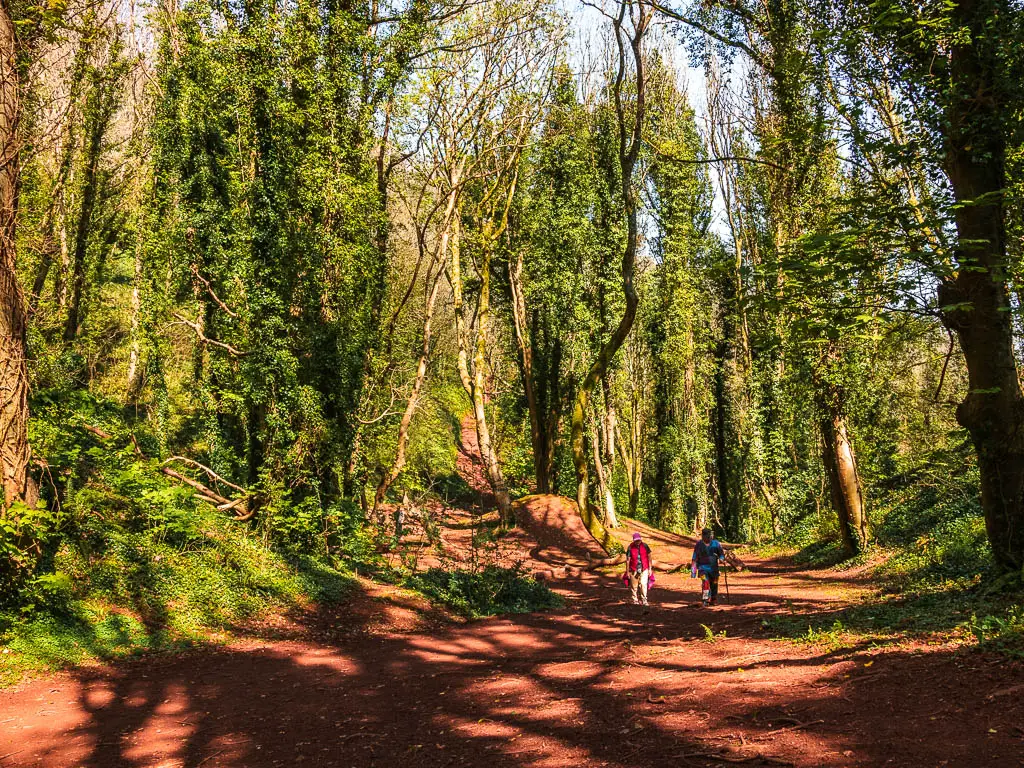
{"x":706,"y":553}
{"x":639,"y":557}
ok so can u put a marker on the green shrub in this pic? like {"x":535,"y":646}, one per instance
{"x":487,"y":592}
{"x":1003,"y":631}
{"x":25,"y":534}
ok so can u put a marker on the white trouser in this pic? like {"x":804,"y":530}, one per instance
{"x":639,"y":581}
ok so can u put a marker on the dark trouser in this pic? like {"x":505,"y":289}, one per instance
{"x":712,"y":574}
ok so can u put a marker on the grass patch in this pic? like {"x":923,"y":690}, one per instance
{"x":487,"y":592}
{"x":89,"y":634}
{"x":935,"y":581}
{"x":144,"y":591}
{"x":952,"y":611}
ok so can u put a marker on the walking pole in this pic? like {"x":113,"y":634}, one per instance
{"x":726,"y":572}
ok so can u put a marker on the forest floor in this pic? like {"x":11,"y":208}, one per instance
{"x":388,"y":680}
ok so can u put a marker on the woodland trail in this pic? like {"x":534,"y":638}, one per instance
{"x":387,"y":681}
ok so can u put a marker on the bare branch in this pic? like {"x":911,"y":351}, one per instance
{"x":182,"y":320}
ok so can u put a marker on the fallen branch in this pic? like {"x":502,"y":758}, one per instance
{"x":605,"y":562}
{"x":203,"y":490}
{"x":797,"y":727}
{"x":96,"y":431}
{"x":729,"y":759}
{"x":231,"y":505}
{"x":210,"y":496}
{"x":207,"y":499}
{"x":209,"y":472}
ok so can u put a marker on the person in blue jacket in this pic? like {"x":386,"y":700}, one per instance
{"x":707,"y":555}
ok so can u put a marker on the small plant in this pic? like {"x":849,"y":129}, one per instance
{"x":710,"y":636}
{"x":1004,"y":632}
{"x":832,"y":638}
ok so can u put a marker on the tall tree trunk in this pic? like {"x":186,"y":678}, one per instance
{"x":608,"y":427}
{"x":99,"y":121}
{"x":413,"y":400}
{"x":60,"y":280}
{"x":473,"y":382}
{"x":551,"y":410}
{"x":14,"y":449}
{"x":483,"y":431}
{"x":348,"y":475}
{"x":135,"y":352}
{"x":537,"y":431}
{"x":976,"y":298}
{"x":843,"y":478}
{"x":629,"y":453}
{"x":722,"y":457}
{"x":629,"y":149}
{"x":43,"y":269}
{"x":603,"y":485}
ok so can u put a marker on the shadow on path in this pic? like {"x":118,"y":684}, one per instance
{"x":602,"y":684}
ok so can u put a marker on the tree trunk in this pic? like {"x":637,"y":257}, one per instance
{"x":604,"y":487}
{"x":412,"y":402}
{"x":473,"y":383}
{"x":844,"y":481}
{"x":607,"y":450}
{"x":976,"y":299}
{"x":630,"y":138}
{"x":537,"y":432}
{"x":348,"y":475}
{"x":729,"y":521}
{"x":629,"y":453}
{"x":90,"y":190}
{"x":42,"y":271}
{"x":135,"y":352}
{"x":487,"y":451}
{"x":14,"y":449}
{"x":551,"y":409}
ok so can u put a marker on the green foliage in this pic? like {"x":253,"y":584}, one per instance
{"x":1003,"y":632}
{"x":487,"y":592}
{"x":24,"y":534}
{"x":83,"y":635}
{"x":710,"y":636}
{"x":141,"y":592}
{"x":133,"y":561}
{"x":275,"y":218}
{"x":831,"y":639}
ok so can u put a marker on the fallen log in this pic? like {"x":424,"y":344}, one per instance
{"x":210,"y":496}
{"x":605,"y":561}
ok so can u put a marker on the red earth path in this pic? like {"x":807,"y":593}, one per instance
{"x":385,"y":680}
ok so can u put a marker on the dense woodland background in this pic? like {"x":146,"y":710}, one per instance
{"x":259,"y":260}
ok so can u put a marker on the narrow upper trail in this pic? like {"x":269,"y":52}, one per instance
{"x":385,"y":681}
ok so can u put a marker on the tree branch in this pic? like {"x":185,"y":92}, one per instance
{"x":182,"y":320}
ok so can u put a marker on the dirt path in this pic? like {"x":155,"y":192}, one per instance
{"x":385,"y":682}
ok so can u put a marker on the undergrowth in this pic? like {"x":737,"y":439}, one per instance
{"x":120,"y":560}
{"x":930,"y":566}
{"x":487,"y":592}
{"x":142,"y":590}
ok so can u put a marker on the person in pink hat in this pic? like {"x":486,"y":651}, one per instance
{"x":638,"y":569}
